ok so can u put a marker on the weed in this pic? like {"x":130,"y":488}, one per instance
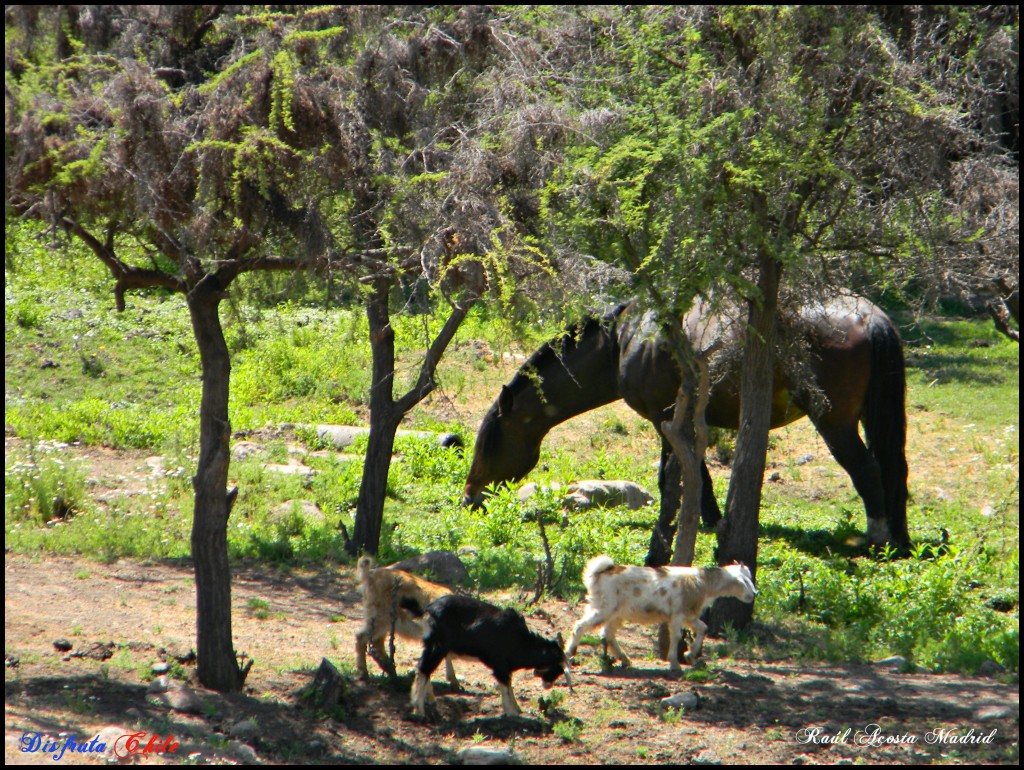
{"x":259,"y":608}
{"x":569,"y":730}
{"x":43,"y":486}
{"x":672,"y":716}
{"x":78,"y":703}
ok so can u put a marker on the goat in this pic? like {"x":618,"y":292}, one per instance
{"x":500,"y":639}
{"x":673,"y":595}
{"x":383,"y":589}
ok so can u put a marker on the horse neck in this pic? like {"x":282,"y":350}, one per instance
{"x":569,"y":381}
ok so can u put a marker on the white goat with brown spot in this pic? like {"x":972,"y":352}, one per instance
{"x":673,"y":595}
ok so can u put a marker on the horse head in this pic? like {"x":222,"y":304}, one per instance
{"x":506,"y":448}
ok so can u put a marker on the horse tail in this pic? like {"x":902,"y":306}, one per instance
{"x":884,"y":418}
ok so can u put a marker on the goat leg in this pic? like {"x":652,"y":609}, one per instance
{"x":387,"y":665}
{"x":508,"y":700}
{"x":699,"y":628}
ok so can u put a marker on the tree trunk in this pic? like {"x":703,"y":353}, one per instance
{"x":217,"y":662}
{"x":687,"y":433}
{"x":737,"y":532}
{"x":383,"y":425}
{"x":386,"y":412}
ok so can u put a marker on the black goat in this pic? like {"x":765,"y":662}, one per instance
{"x":500,"y":639}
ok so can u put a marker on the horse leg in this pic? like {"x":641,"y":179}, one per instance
{"x":850,"y":452}
{"x":670,"y":488}
{"x":671,"y":493}
{"x":710,"y":514}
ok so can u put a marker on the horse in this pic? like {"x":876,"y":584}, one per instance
{"x":849,"y":370}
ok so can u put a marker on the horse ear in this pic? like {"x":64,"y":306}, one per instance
{"x":505,"y":401}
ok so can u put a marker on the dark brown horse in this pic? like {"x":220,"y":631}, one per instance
{"x":851,"y":371}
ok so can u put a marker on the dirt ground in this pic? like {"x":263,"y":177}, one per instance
{"x":754,"y":710}
{"x":749,"y":711}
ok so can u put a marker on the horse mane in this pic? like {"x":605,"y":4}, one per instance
{"x":553,"y":350}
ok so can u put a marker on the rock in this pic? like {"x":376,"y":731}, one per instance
{"x":443,"y":566}
{"x":607,"y":494}
{"x":897,"y":662}
{"x":108,"y":736}
{"x":245,"y":731}
{"x":160,"y":668}
{"x":308,"y":510}
{"x":526,"y":491}
{"x":990,"y":668}
{"x":245,"y":752}
{"x":176,"y":696}
{"x":707,"y":757}
{"x":158,"y":685}
{"x":97,"y":651}
{"x":989,"y":713}
{"x":62,"y":644}
{"x":342,"y":436}
{"x":685,"y":700}
{"x":244,"y":449}
{"x":478,"y":755}
{"x":327,"y":688}
{"x":291,"y":468}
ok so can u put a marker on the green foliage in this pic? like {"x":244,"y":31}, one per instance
{"x":929,"y":610}
{"x":569,"y":730}
{"x":42,"y":486}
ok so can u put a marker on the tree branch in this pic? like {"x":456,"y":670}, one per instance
{"x":425,"y":383}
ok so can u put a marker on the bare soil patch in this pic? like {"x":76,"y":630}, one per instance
{"x":751,"y":711}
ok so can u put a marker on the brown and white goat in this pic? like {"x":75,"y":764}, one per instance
{"x":383,"y":590}
{"x":498,"y":638}
{"x":673,"y":595}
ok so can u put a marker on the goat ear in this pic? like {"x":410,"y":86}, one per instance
{"x":559,"y":641}
{"x":505,"y":401}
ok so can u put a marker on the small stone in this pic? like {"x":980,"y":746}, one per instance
{"x":444,"y":566}
{"x":246,"y":753}
{"x":176,"y":696}
{"x":989,"y":713}
{"x":990,"y":668}
{"x":685,"y":700}
{"x":62,"y":644}
{"x":158,"y":685}
{"x":245,"y":731}
{"x":477,"y":755}
{"x":895,"y":661}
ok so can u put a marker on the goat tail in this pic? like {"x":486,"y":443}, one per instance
{"x":363,"y":567}
{"x":410,"y":604}
{"x":595,"y":567}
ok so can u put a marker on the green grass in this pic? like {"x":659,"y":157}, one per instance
{"x":77,"y":371}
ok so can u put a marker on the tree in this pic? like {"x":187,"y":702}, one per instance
{"x":973,"y":248}
{"x":187,"y":146}
{"x":755,"y":154}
